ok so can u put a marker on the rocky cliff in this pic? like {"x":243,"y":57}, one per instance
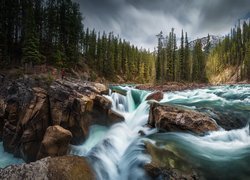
{"x":39,"y":120}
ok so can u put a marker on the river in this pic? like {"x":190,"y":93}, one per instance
{"x":118,"y":152}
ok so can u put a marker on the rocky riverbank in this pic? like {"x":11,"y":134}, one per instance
{"x":172,"y":86}
{"x":38,"y":120}
{"x":57,"y":168}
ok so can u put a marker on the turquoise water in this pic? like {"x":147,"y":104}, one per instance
{"x":218,"y":155}
{"x":7,"y":159}
{"x":231,"y":102}
{"x":117,"y":152}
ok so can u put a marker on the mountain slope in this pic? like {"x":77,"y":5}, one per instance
{"x":214,"y":40}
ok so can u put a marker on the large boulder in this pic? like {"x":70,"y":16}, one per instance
{"x":168,"y":164}
{"x":76,"y":107}
{"x":26,"y":111}
{"x":57,"y":168}
{"x":157,"y":95}
{"x":26,"y":118}
{"x":55,"y":142}
{"x":172,"y":118}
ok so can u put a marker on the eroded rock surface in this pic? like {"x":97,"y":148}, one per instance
{"x":27,"y":110}
{"x":157,"y":95}
{"x":57,"y":168}
{"x":168,"y":164}
{"x":55,"y":142}
{"x":172,"y":118}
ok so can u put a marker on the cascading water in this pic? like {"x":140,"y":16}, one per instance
{"x":7,"y":159}
{"x":117,"y":152}
{"x":218,"y":155}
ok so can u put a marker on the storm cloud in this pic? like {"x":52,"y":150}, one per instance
{"x":138,"y":21}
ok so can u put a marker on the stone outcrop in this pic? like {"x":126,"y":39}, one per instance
{"x":33,"y":124}
{"x":26,"y":111}
{"x":57,"y":168}
{"x":17,"y":101}
{"x":55,"y":142}
{"x":157,"y":95}
{"x":172,"y":118}
{"x":168,"y":164}
{"x":78,"y":106}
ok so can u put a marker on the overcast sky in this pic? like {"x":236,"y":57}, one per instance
{"x":138,"y":21}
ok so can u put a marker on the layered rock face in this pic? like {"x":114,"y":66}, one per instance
{"x":171,"y":118}
{"x":57,"y":168}
{"x":70,"y":107}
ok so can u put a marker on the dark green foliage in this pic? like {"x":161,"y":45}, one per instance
{"x":160,"y":59}
{"x":247,"y":62}
{"x":198,"y":64}
{"x":37,"y":31}
{"x":172,"y":64}
{"x":182,"y":68}
{"x":186,"y":63}
{"x":30,"y":49}
{"x":233,"y":51}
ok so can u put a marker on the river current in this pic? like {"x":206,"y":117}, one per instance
{"x":118,"y":152}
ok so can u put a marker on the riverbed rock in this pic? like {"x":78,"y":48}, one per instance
{"x":26,"y":111}
{"x":78,"y":106}
{"x":55,"y":142}
{"x":174,"y":118}
{"x":157,"y":95}
{"x":71,"y":115}
{"x":226,"y":119}
{"x":57,"y":168}
{"x":166,"y":163}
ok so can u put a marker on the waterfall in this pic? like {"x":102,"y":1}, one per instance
{"x":118,"y":152}
{"x":7,"y":158}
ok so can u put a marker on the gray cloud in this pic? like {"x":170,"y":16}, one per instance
{"x":139,"y":21}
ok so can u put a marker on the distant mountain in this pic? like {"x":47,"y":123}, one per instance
{"x":214,"y":40}
{"x":245,"y":18}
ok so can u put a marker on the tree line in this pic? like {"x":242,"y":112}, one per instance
{"x":40,"y":31}
{"x":233,"y":51}
{"x":180,"y":64}
{"x":111,"y":56}
{"x":52,"y":32}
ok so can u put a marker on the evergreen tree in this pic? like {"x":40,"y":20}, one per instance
{"x":31,"y":53}
{"x":198,"y":71}
{"x":182,"y":68}
{"x":186,"y":72}
{"x":247,"y":61}
{"x":159,"y":60}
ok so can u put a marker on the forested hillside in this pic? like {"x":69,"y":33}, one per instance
{"x":51,"y":32}
{"x":229,"y":60}
{"x":183,"y":63}
{"x":232,"y":53}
